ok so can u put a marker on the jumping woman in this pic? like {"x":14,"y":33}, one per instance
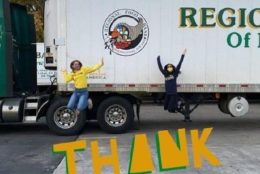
{"x":79,"y":98}
{"x":170,"y":72}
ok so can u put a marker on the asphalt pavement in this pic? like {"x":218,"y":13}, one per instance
{"x":27,"y":149}
{"x":235,"y":141}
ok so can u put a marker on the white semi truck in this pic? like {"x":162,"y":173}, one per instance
{"x":222,"y":62}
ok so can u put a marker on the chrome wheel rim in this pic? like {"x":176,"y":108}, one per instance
{"x":115,"y":115}
{"x":65,"y":118}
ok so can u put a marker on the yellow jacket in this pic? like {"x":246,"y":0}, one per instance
{"x":79,"y":77}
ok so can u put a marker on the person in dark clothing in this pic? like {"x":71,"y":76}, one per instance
{"x":171,"y":73}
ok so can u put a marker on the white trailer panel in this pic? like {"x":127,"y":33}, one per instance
{"x":211,"y":64}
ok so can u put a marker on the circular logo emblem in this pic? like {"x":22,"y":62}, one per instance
{"x":125,"y":32}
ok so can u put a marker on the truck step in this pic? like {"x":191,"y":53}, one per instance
{"x":30,"y":119}
{"x":33,"y":98}
{"x":31,"y":105}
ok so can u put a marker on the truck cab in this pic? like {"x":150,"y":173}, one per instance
{"x":20,"y":99}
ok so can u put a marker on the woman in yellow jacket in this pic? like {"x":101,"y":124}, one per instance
{"x":79,"y":98}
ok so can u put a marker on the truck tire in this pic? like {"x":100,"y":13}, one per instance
{"x":238,"y":106}
{"x":63,"y":121}
{"x":223,"y":105}
{"x":115,"y":115}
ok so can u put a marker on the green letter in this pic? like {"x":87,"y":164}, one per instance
{"x":251,"y":18}
{"x":207,"y":13}
{"x":247,"y":38}
{"x":242,"y":17}
{"x":231,"y":19}
{"x":239,"y":40}
{"x":184,"y":17}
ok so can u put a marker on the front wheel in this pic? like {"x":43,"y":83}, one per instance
{"x":64,"y":121}
{"x":115,"y":115}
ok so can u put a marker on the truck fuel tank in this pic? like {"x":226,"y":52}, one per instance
{"x":12,"y":110}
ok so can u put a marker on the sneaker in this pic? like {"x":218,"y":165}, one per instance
{"x":172,"y":111}
{"x":90,"y":104}
{"x":77,"y":112}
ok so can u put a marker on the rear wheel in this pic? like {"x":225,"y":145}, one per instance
{"x":64,"y":121}
{"x":238,"y":106}
{"x":115,"y":115}
{"x":223,"y":105}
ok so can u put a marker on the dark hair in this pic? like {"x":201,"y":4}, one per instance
{"x":166,"y":71}
{"x":167,"y":65}
{"x":71,"y":64}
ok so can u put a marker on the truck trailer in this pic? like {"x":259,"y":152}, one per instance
{"x":222,"y":39}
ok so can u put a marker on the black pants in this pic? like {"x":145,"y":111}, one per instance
{"x":171,"y":102}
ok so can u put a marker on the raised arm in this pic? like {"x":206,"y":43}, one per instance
{"x":160,"y":65}
{"x":178,"y":67}
{"x":180,"y":62}
{"x":90,"y":69}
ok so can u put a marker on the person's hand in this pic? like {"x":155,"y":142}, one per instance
{"x":102,"y":61}
{"x":184,"y":52}
{"x":63,"y":70}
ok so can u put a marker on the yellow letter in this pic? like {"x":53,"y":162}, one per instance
{"x":99,"y":161}
{"x":141,"y":158}
{"x":172,"y":155}
{"x":69,"y":149}
{"x":199,"y":148}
